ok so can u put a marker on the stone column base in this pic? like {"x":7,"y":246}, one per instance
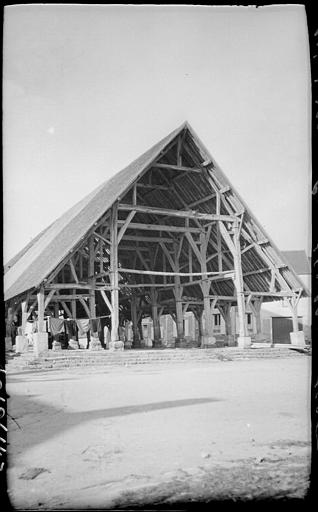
{"x":244,"y":341}
{"x":116,"y":345}
{"x":259,"y":337}
{"x":21,"y":344}
{"x":208,"y":341}
{"x":95,"y":344}
{"x":297,"y":339}
{"x":56,"y":345}
{"x":230,"y":340}
{"x":157,"y":343}
{"x":179,"y":342}
{"x":8,"y":342}
{"x":73,"y":344}
{"x":40,"y":343}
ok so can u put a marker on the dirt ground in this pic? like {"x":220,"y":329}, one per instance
{"x":154,"y":436}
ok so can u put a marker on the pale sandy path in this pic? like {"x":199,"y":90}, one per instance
{"x":101,"y":433}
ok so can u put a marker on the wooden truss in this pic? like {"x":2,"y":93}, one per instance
{"x":177,"y":239}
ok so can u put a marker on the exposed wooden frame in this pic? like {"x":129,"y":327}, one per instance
{"x":164,"y":228}
{"x":114,"y":274}
{"x":176,"y":213}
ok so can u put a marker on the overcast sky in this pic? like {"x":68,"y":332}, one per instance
{"x":87,"y":89}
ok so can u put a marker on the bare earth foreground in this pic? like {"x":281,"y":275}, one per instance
{"x":159,"y":435}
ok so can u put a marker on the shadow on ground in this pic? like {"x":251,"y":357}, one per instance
{"x":38,"y":421}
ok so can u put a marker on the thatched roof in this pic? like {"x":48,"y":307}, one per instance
{"x":31,"y":266}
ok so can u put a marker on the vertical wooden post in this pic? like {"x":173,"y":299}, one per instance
{"x":178,"y":290}
{"x":134,"y":319}
{"x":258,"y":321}
{"x":40,"y":339}
{"x":207,"y":338}
{"x":293,"y":308}
{"x":40,"y":297}
{"x":141,"y":334}
{"x":234,"y":245}
{"x":256,"y":310}
{"x":73,"y":305}
{"x":9,"y":319}
{"x":225,"y":311}
{"x":155,"y":317}
{"x":201,"y":327}
{"x":24,"y":309}
{"x":243,"y":332}
{"x":91,"y":269}
{"x":81,"y":266}
{"x":94,"y":343}
{"x":115,"y":343}
{"x":297,"y":337}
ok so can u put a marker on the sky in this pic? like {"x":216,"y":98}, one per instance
{"x":87,"y":89}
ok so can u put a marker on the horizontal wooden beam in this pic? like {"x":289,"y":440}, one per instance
{"x":133,"y":248}
{"x":146,"y":285}
{"x":152,"y":239}
{"x":70,"y":297}
{"x":66,"y":286}
{"x":156,"y":227}
{"x":185,"y":300}
{"x":154,"y":187}
{"x":269,"y":294}
{"x":177,"y":167}
{"x":173,"y":274}
{"x":183,"y":214}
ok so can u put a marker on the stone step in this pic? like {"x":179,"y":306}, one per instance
{"x":82,"y":358}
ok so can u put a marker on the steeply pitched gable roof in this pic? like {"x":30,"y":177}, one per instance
{"x":41,"y":256}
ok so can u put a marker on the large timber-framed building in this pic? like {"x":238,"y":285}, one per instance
{"x":166,"y":235}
